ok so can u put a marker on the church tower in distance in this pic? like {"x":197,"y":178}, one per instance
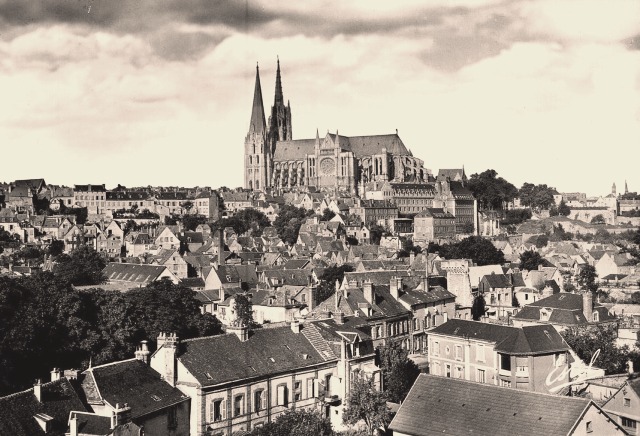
{"x":280,"y":119}
{"x":257,"y":152}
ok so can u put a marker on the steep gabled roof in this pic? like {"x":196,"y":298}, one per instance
{"x":441,"y":405}
{"x":224,"y":358}
{"x":17,"y":410}
{"x":136,"y":383}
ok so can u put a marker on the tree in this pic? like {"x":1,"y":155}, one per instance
{"x":563,"y":209}
{"x":492,"y":192}
{"x":598,"y":219}
{"x":478,"y":308}
{"x":244,"y":310}
{"x":398,"y":371}
{"x":537,"y":197}
{"x":516,"y":216}
{"x":327,"y":214}
{"x":190,"y":222}
{"x":296,"y":422}
{"x":366,"y":403}
{"x":476,"y":248}
{"x":83,"y":266}
{"x":328,"y":279}
{"x":587,"y":279}
{"x":376,"y":232}
{"x":530,"y":260}
{"x":288,"y":222}
{"x":585,"y":341}
{"x":245,"y":220}
{"x":56,"y":248}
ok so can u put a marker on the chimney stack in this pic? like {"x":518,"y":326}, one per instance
{"x":220,"y":247}
{"x":337,"y":294}
{"x":121,"y":415}
{"x":73,"y":426}
{"x":395,"y":286}
{"x":367,"y":290}
{"x":587,"y":305}
{"x":295,"y":326}
{"x":169,"y":343}
{"x":242,"y":332}
{"x":142,"y":352}
{"x":56,"y":374}
{"x":412,"y":258}
{"x":338,"y":317}
{"x":37,"y":390}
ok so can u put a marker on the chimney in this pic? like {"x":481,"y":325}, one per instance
{"x":587,"y":305}
{"x":56,"y":374}
{"x":337,"y":294}
{"x":142,"y":353}
{"x":37,"y":390}
{"x":412,"y":258}
{"x":338,"y":317}
{"x":426,"y":283}
{"x":395,"y":286}
{"x":295,"y":326}
{"x":169,"y":344}
{"x":220,"y":247}
{"x":73,"y":426}
{"x":367,"y":290}
{"x":121,"y":415}
{"x":242,"y":332}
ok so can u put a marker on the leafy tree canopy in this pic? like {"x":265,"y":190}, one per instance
{"x":530,"y":260}
{"x":327,"y":214}
{"x":288,"y":222}
{"x":245,"y":220}
{"x":491,"y":191}
{"x":399,"y":372}
{"x":327,"y":285}
{"x":367,"y":404}
{"x":476,"y":248}
{"x":296,"y":422}
{"x":587,"y":279}
{"x":537,"y":197}
{"x":83,"y":266}
{"x":478,"y":308}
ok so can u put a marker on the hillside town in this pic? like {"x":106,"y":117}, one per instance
{"x":345,"y":286}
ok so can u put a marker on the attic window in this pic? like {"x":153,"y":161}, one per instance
{"x":455,"y":332}
{"x":155,"y":398}
{"x":272,"y":359}
{"x":208,"y":376}
{"x":546,"y":332}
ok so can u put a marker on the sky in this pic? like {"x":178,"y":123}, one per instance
{"x":159,"y":92}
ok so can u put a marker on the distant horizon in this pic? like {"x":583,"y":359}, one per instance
{"x":146,"y":93}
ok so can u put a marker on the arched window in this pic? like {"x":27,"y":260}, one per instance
{"x":257,"y":184}
{"x":250,"y":184}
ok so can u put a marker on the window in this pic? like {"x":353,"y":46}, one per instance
{"x":238,"y":405}
{"x":505,"y":362}
{"x":627,"y":402}
{"x":448,"y":370}
{"x":596,"y":317}
{"x":480,"y":353}
{"x":505,"y":383}
{"x":459,"y":352}
{"x":259,"y":400}
{"x":560,"y":359}
{"x":459,"y":372}
{"x":283,"y":399}
{"x":480,"y":376}
{"x":629,"y":423}
{"x":589,"y":427}
{"x":218,"y":410}
{"x":172,"y":418}
{"x":297,"y":390}
{"x":436,"y":368}
{"x":436,"y":348}
{"x":311,"y":391}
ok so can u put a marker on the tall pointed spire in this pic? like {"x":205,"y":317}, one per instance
{"x":626,"y":188}
{"x":258,"y":123}
{"x":279,"y":98}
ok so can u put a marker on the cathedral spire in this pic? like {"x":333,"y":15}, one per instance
{"x":279,"y":98}
{"x":258,"y":123}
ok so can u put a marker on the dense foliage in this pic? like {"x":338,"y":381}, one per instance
{"x":529,"y":260}
{"x":327,"y":285}
{"x":296,"y":422}
{"x":366,"y":404}
{"x":585,"y":341}
{"x":83,"y":266}
{"x":537,"y":197}
{"x":398,"y":371}
{"x":478,"y":308}
{"x":245,"y":220}
{"x":288,"y":222}
{"x":46,"y":323}
{"x":476,"y":248}
{"x":491,"y":191}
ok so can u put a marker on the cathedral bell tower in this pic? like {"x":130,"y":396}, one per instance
{"x":257,"y":153}
{"x":280,"y":119}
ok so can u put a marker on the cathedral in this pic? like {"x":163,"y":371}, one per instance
{"x":274,"y":160}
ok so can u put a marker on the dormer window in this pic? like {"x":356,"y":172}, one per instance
{"x":596,"y":317}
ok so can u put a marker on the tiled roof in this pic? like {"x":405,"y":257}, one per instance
{"x":434,"y":294}
{"x":136,"y":383}
{"x":224,"y":358}
{"x":92,"y":424}
{"x":527,"y":340}
{"x":17,"y":410}
{"x":441,"y":405}
{"x":130,"y":272}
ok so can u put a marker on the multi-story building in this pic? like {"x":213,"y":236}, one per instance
{"x":375,"y":211}
{"x":534,"y":358}
{"x":244,"y":379}
{"x":93,"y":197}
{"x":624,"y":406}
{"x":128,"y":200}
{"x":433,"y":224}
{"x":207,"y":204}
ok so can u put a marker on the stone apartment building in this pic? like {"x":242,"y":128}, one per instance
{"x":533,"y":358}
{"x":244,"y":379}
